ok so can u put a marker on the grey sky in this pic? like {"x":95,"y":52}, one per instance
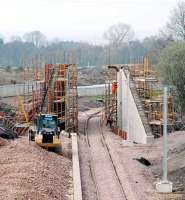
{"x":82,"y":20}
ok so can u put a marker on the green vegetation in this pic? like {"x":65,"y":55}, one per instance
{"x":172,"y":70}
{"x":153,"y":93}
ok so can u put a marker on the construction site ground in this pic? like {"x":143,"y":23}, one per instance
{"x":91,"y":76}
{"x":97,"y":76}
{"x":28,"y":171}
{"x":138,"y":180}
{"x":87,"y":103}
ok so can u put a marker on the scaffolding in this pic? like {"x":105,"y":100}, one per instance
{"x":151,"y":93}
{"x":110,"y":96}
{"x":55,"y":94}
{"x":60,"y":95}
{"x":29,"y":103}
{"x":72,"y":100}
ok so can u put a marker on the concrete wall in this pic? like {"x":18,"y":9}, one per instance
{"x":92,"y":90}
{"x":131,"y":119}
{"x":11,"y":90}
{"x":18,"y":89}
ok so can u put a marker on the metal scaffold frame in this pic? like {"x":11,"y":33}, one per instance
{"x":110,"y":97}
{"x":29,"y":102}
{"x":55,"y":94}
{"x":72,"y":99}
{"x":150,"y":91}
{"x":62,"y":97}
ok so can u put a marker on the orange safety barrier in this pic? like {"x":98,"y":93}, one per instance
{"x":120,"y":133}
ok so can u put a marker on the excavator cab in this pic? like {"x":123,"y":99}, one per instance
{"x":47,"y":134}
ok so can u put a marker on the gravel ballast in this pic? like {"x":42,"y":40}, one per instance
{"x":28,"y":172}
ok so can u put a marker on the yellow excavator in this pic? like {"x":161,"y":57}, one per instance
{"x":45,"y":132}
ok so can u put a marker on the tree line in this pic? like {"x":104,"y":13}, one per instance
{"x":16,"y":52}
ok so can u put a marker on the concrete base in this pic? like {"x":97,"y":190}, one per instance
{"x":164,"y":187}
{"x":77,"y":195}
{"x":127,"y":143}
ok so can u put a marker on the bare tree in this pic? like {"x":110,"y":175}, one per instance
{"x":176,"y":24}
{"x":35,"y":37}
{"x":118,"y":34}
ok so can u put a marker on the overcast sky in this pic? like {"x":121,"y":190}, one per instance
{"x":82,"y":20}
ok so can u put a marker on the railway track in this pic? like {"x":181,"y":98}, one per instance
{"x":103,"y":170}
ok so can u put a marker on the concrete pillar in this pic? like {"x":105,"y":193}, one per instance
{"x":165,"y":186}
{"x":123,"y":100}
{"x":119,"y":96}
{"x":127,"y":104}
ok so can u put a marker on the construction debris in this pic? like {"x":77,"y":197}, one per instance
{"x":7,"y":120}
{"x":144,"y":161}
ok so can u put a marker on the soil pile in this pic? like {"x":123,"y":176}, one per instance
{"x":30,"y":172}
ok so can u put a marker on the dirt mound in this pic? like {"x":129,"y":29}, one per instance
{"x":30,"y":172}
{"x":176,"y":161}
{"x":91,"y":76}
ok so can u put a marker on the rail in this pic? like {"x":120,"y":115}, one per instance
{"x":105,"y":145}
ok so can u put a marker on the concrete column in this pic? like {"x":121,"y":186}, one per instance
{"x":124,"y":103}
{"x":127,"y":104}
{"x":165,"y":186}
{"x":119,"y":96}
{"x":165,"y":143}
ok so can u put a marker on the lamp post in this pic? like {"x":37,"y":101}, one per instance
{"x":165,"y":186}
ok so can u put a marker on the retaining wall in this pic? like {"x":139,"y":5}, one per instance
{"x":18,"y":89}
{"x":133,"y":118}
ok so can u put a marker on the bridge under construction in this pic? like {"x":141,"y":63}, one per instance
{"x":51,"y":90}
{"x":136,"y":105}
